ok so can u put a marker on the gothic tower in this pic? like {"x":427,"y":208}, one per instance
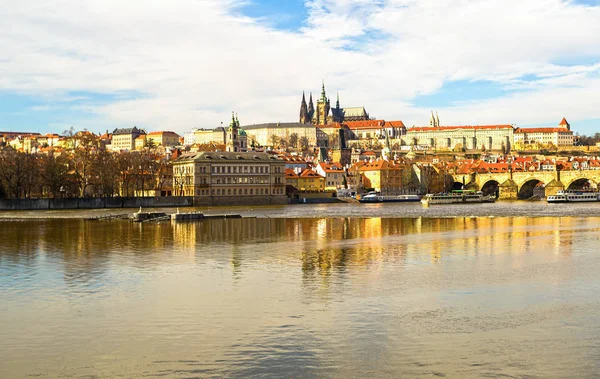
{"x":323,"y":107}
{"x":336,"y":113}
{"x":433,"y":121}
{"x":303,"y":111}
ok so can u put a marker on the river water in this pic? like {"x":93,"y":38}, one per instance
{"x":304,"y":291}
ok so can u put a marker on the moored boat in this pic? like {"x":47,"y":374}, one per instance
{"x":377,"y":198}
{"x":457,"y":197}
{"x":574,"y":197}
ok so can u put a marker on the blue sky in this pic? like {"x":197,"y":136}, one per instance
{"x":165,"y":66}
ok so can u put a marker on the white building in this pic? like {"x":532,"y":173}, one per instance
{"x":560,"y":136}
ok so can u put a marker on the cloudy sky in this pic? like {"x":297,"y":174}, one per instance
{"x":176,"y":65}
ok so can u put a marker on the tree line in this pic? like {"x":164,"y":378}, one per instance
{"x":83,"y":171}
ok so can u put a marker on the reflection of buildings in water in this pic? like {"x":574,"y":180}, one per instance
{"x":322,"y":228}
{"x":236,"y":263}
{"x":185,"y":235}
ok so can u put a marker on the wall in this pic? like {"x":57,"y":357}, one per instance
{"x":240,"y":200}
{"x":96,"y":202}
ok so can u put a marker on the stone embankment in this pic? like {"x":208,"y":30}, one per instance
{"x":96,"y":203}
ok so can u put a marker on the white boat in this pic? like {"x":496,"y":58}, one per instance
{"x":574,"y":197}
{"x":457,"y":197}
{"x":377,"y":198}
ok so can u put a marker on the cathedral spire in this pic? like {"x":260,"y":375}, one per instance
{"x":303,"y":110}
{"x":337,"y":102}
{"x":323,"y":95}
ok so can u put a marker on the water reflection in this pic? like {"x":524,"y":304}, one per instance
{"x":340,"y":297}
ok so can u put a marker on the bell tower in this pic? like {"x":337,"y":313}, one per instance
{"x":233,"y":141}
{"x":323,"y":107}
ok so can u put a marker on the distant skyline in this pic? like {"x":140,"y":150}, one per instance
{"x":164,"y":65}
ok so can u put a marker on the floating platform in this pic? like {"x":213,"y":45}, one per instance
{"x":192,"y":216}
{"x":149,"y":216}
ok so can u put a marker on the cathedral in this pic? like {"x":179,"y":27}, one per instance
{"x":324,"y":114}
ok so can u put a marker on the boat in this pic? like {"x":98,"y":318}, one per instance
{"x":377,"y":198}
{"x":457,"y":197}
{"x":574,"y":196}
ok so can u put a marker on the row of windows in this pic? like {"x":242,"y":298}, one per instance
{"x":242,"y":180}
{"x":228,"y":169}
{"x":241,"y":169}
{"x":236,"y":192}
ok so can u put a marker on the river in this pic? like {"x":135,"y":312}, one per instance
{"x":304,"y":291}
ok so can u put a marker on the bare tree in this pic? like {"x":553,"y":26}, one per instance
{"x":55,"y":173}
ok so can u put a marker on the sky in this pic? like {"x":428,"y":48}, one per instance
{"x":178,"y":65}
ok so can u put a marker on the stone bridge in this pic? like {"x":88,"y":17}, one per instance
{"x":521,"y":185}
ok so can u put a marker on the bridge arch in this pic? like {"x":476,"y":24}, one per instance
{"x":580,"y":183}
{"x":457,"y":186}
{"x":527,"y":188}
{"x":491,"y":187}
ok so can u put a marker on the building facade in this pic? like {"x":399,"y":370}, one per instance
{"x":465,"y":137}
{"x":560,"y":136}
{"x":163,"y":138}
{"x":230,"y":178}
{"x":124,"y":139}
{"x":270,"y":134}
{"x":217,"y":135}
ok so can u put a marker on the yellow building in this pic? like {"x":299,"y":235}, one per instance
{"x":277,"y":134}
{"x":309,"y":180}
{"x":333,"y":173}
{"x":382,"y":176}
{"x":163,"y":138}
{"x":230,"y":177}
{"x":124,"y":139}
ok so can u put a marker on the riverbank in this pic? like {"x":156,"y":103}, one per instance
{"x":343,"y":210}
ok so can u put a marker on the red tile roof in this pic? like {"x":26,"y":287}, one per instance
{"x":309,"y":174}
{"x":563,"y":122}
{"x":365,"y":124}
{"x":395,"y":124}
{"x":541,"y":130}
{"x":290,"y":174}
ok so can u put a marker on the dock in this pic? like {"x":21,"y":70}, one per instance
{"x":176,"y":217}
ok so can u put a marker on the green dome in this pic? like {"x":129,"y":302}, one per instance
{"x":242,"y":132}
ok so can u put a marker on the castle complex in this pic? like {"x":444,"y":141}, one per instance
{"x":324,"y":114}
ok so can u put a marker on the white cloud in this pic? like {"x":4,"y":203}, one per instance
{"x":195,"y":61}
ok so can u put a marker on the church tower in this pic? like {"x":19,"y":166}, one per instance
{"x":233,"y":142}
{"x":303,"y":111}
{"x":434,"y":121}
{"x":323,"y":107}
